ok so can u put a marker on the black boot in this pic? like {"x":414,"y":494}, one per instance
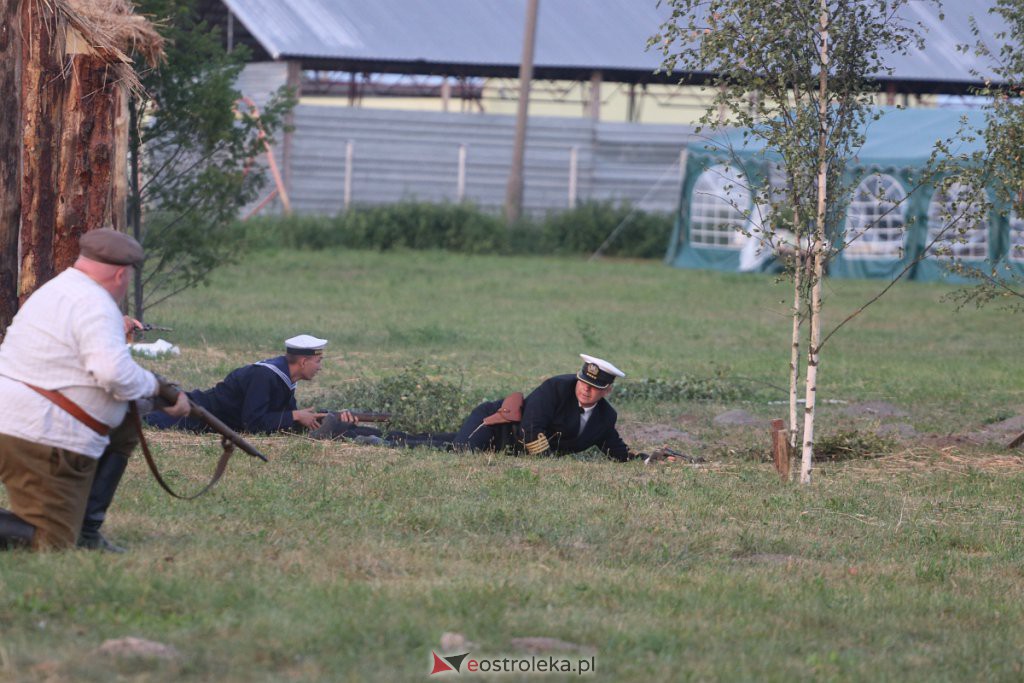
{"x":109,"y":471}
{"x":14,"y":531}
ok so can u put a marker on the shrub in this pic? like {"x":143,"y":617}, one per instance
{"x":851,"y":444}
{"x":679,"y":389}
{"x":418,"y":400}
{"x":584,"y":229}
{"x":466,"y":228}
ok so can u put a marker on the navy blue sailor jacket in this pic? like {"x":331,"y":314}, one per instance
{"x":553,"y":410}
{"x":257,"y":398}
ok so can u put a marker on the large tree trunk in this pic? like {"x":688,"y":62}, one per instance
{"x":119,"y":166}
{"x":42,"y":103}
{"x":10,"y":159}
{"x":134,"y":203}
{"x":86,"y":156}
{"x":817,"y":253}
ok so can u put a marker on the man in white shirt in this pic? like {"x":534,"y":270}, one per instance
{"x":66,"y":377}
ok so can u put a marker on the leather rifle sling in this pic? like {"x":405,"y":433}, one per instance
{"x":222,"y":464}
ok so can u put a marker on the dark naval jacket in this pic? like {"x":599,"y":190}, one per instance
{"x":257,"y":398}
{"x":552,"y":409}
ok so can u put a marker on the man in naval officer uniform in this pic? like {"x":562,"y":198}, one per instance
{"x":260,"y":398}
{"x":565,"y":414}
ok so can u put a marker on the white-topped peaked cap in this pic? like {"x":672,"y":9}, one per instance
{"x":305,"y":345}
{"x":597,"y":372}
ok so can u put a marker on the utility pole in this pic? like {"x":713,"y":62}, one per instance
{"x":514,"y":191}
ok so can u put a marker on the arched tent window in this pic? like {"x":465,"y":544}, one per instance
{"x":876,"y":219}
{"x":957,"y":214}
{"x":1016,"y":252}
{"x":767,"y":233}
{"x":719,"y":207}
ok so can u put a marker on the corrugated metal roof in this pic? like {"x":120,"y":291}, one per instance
{"x":574,"y":37}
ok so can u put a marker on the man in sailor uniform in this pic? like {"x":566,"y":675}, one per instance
{"x":565,"y":414}
{"x":259,"y":398}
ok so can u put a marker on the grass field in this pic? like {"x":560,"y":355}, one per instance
{"x":338,"y":562}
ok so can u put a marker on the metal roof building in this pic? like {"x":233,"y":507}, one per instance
{"x":575,"y":39}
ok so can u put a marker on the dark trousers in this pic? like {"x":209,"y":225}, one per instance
{"x":474,"y":435}
{"x":109,"y":470}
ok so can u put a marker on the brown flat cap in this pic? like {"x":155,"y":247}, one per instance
{"x":107,"y":245}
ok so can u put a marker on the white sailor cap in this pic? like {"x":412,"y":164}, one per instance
{"x":597,"y":372}
{"x":305,"y":345}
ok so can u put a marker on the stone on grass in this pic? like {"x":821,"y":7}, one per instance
{"x":536,"y":645}
{"x":874,"y":409}
{"x":656,"y":434}
{"x":739,"y":418}
{"x":900,"y":430}
{"x":131,"y":646}
{"x":1014,"y":425}
{"x":450,"y":642}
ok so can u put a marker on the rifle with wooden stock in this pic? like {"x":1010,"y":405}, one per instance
{"x":229,"y":439}
{"x":362,"y":415}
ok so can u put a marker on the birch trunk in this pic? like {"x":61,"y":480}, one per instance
{"x":794,"y":358}
{"x":10,"y":159}
{"x":817,"y":254}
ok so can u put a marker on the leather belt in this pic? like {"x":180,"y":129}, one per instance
{"x":69,"y":406}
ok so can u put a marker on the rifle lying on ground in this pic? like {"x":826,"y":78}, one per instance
{"x":229,"y":439}
{"x":362,"y":416}
{"x":672,"y":455}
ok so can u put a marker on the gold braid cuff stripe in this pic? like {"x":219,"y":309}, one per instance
{"x":538,"y":445}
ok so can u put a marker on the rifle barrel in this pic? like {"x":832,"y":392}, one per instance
{"x":227,"y":432}
{"x":370,"y":417}
{"x":169,"y":393}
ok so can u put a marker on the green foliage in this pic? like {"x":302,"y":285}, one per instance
{"x":999,"y":165}
{"x":851,"y":444}
{"x":584,"y":229}
{"x":194,"y":152}
{"x":718,"y":388}
{"x":467,"y":229}
{"x":419,"y":398}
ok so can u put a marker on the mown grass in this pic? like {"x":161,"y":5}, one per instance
{"x":339,"y":562}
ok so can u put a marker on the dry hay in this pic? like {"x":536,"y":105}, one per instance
{"x":109,"y":29}
{"x":925,"y":460}
{"x":113,"y":29}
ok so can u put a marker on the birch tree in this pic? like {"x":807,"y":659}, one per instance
{"x":796,"y":77}
{"x":1000,"y":165}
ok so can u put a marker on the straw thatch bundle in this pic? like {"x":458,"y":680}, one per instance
{"x":111,"y":30}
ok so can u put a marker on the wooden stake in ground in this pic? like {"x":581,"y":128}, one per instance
{"x":780,"y":448}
